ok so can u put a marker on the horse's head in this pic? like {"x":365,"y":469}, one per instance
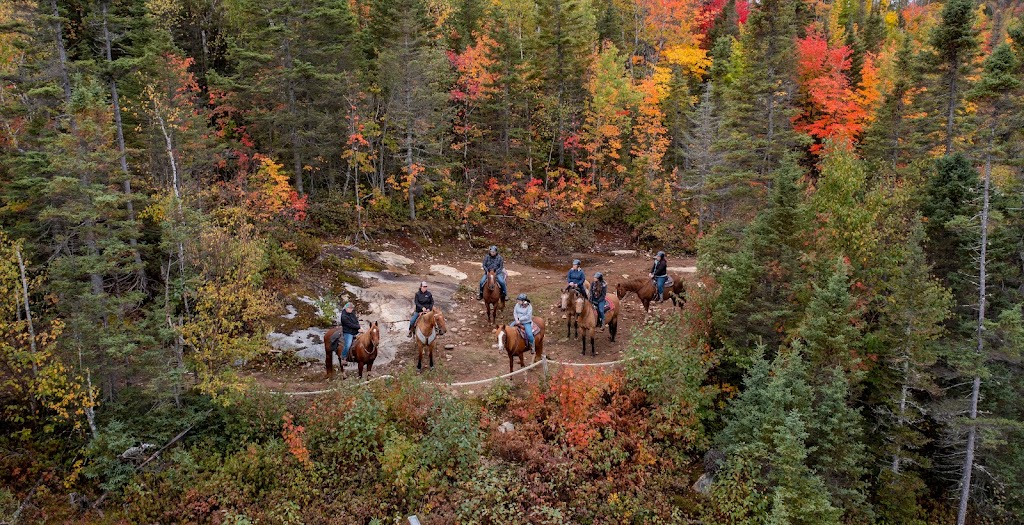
{"x":492,"y":278}
{"x":565,"y":300}
{"x":374,"y":334}
{"x":499,"y":331}
{"x":620,"y":290}
{"x":579,"y":303}
{"x":439,"y":322}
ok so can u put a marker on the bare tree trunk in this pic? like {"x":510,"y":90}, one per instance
{"x":28,"y":315}
{"x":972,"y":431}
{"x":122,"y":153}
{"x":176,"y":186}
{"x":901,"y":418}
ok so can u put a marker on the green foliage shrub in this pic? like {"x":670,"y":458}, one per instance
{"x":673,"y":372}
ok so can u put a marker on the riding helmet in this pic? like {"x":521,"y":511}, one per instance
{"x":522,"y":297}
{"x":599,"y":275}
{"x":493,"y":249}
{"x":575,"y":262}
{"x":661,"y":254}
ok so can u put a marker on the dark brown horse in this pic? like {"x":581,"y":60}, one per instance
{"x":363,"y":351}
{"x":510,"y":341}
{"x":568,"y":305}
{"x":588,"y":320}
{"x":646,"y":289}
{"x":492,"y":297}
{"x":429,"y":325}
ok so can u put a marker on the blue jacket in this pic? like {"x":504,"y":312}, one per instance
{"x":495,"y":263}
{"x":576,"y":276}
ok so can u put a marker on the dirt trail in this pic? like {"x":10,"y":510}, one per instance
{"x":453,"y":276}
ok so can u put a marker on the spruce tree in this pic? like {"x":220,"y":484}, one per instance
{"x":955,"y":41}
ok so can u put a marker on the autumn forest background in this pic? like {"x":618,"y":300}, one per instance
{"x":848,"y":174}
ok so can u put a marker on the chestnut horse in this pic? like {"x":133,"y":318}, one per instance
{"x":364,"y":349}
{"x":510,"y":341}
{"x":568,"y":305}
{"x":429,"y":325}
{"x":646,"y":289}
{"x":588,"y":320}
{"x":492,"y":297}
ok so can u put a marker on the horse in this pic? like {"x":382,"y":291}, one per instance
{"x":568,"y":305}
{"x":364,"y":349}
{"x":429,"y":325}
{"x":492,"y":297}
{"x":588,"y":320}
{"x":646,"y":289}
{"x":510,"y":341}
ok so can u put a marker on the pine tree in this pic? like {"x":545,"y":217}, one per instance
{"x":759,"y":97}
{"x":565,"y":44}
{"x":829,"y":331}
{"x":413,"y":77}
{"x":956,"y":42}
{"x":768,"y":435}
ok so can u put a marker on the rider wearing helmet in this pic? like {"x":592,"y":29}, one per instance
{"x":493,"y":261}
{"x":522,"y":315}
{"x":659,"y":272}
{"x":576,"y":278}
{"x":598,"y":291}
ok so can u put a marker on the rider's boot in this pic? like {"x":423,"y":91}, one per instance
{"x":533,"y":347}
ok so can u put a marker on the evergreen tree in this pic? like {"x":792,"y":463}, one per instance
{"x":565,"y":46}
{"x":767,"y":435}
{"x":759,"y":98}
{"x":955,"y":41}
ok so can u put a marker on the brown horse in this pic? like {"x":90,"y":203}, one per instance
{"x":588,"y":320}
{"x":510,"y":341}
{"x":646,"y":289}
{"x":364,"y":349}
{"x":492,"y":297}
{"x":568,"y":305}
{"x":429,"y":325}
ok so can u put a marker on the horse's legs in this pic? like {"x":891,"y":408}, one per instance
{"x":511,"y":363}
{"x":419,"y":361}
{"x":329,"y":361}
{"x":360,"y":369}
{"x":584,"y":339}
{"x":612,"y":327}
{"x":431,"y":357}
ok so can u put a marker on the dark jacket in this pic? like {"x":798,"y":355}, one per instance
{"x":424,"y":300}
{"x":495,"y":263}
{"x":576,"y":276}
{"x":349,"y":322}
{"x":598,"y":289}
{"x":660,"y":268}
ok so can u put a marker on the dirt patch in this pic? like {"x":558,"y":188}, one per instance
{"x":475,"y":355}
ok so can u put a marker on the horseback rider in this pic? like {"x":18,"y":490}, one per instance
{"x":522,"y":315}
{"x":424,"y":302}
{"x":598,"y":291}
{"x":349,"y":329}
{"x":493,"y":261}
{"x":576,"y":278}
{"x":659,"y":272}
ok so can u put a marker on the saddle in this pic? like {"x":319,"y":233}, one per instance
{"x":522,"y":330}
{"x":668,"y":281}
